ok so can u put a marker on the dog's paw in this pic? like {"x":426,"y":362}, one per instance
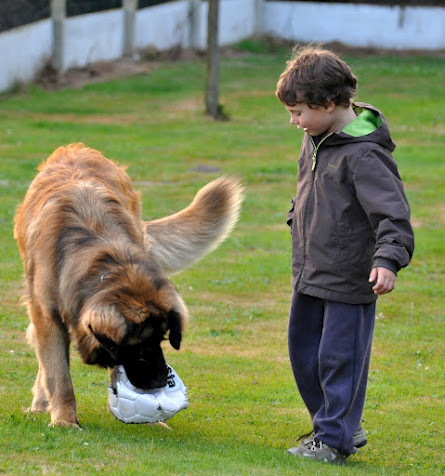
{"x":65,"y":423}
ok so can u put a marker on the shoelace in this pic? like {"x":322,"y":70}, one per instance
{"x":314,"y":445}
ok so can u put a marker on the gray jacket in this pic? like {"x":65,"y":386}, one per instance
{"x":350,"y":213}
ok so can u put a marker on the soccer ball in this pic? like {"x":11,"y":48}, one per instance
{"x":133,"y":405}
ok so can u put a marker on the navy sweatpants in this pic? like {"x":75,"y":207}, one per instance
{"x":330,"y":348}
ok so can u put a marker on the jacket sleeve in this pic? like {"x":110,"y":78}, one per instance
{"x":381,"y":194}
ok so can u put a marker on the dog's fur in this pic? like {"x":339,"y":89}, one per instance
{"x":96,"y":273}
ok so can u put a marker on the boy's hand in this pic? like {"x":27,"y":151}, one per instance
{"x":385,"y":280}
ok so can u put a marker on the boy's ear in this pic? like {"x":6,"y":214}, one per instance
{"x":329,"y":106}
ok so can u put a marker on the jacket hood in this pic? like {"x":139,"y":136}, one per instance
{"x":369,"y":126}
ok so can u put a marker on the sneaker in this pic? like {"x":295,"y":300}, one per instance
{"x":303,"y":449}
{"x":313,"y":448}
{"x":359,"y":437}
{"x":327,"y":454}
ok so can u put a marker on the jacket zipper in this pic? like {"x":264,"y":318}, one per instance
{"x":314,"y":163}
{"x":316,"y":147}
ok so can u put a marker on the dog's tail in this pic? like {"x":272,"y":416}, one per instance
{"x":177,"y":241}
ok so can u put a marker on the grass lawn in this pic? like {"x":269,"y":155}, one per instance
{"x":244,"y":406}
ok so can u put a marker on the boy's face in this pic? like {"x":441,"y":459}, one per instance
{"x":315,"y":120}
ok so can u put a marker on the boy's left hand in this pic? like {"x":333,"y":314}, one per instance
{"x":385,"y":280}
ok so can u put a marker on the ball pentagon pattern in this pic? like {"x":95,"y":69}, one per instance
{"x":133,"y":405}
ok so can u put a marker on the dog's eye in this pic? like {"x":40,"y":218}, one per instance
{"x":107,"y":343}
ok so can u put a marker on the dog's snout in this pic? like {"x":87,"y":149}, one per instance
{"x":145,"y":366}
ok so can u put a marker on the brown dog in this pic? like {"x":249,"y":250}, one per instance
{"x":96,"y":274}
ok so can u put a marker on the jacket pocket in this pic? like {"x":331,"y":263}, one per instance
{"x":356,"y":249}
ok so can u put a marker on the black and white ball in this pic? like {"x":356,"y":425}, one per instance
{"x":133,"y":405}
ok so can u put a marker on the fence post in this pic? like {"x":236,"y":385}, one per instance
{"x":195,"y":23}
{"x":130,"y":7}
{"x":58,"y":15}
{"x":259,"y":17}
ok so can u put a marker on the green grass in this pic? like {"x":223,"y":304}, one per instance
{"x":244,"y":406}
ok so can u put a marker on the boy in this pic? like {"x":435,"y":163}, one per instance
{"x":351,"y":234}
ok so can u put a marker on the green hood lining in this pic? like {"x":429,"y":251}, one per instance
{"x":365,"y":123}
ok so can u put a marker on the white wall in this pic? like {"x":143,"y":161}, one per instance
{"x":236,"y":20}
{"x":163,"y":26}
{"x":23,"y":52}
{"x":357,"y":25}
{"x":167,"y":25}
{"x":94,"y":37}
{"x":100,"y":36}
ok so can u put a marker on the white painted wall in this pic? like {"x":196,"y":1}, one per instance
{"x":163,"y":26}
{"x":93,"y":37}
{"x":236,"y":22}
{"x":357,"y":25}
{"x":23,"y":52}
{"x":99,"y":36}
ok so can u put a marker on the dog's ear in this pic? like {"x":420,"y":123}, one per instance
{"x":175,"y":325}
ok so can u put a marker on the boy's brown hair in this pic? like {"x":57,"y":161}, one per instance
{"x":316,"y":76}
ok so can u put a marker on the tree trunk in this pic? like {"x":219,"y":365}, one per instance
{"x":212,"y":83}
